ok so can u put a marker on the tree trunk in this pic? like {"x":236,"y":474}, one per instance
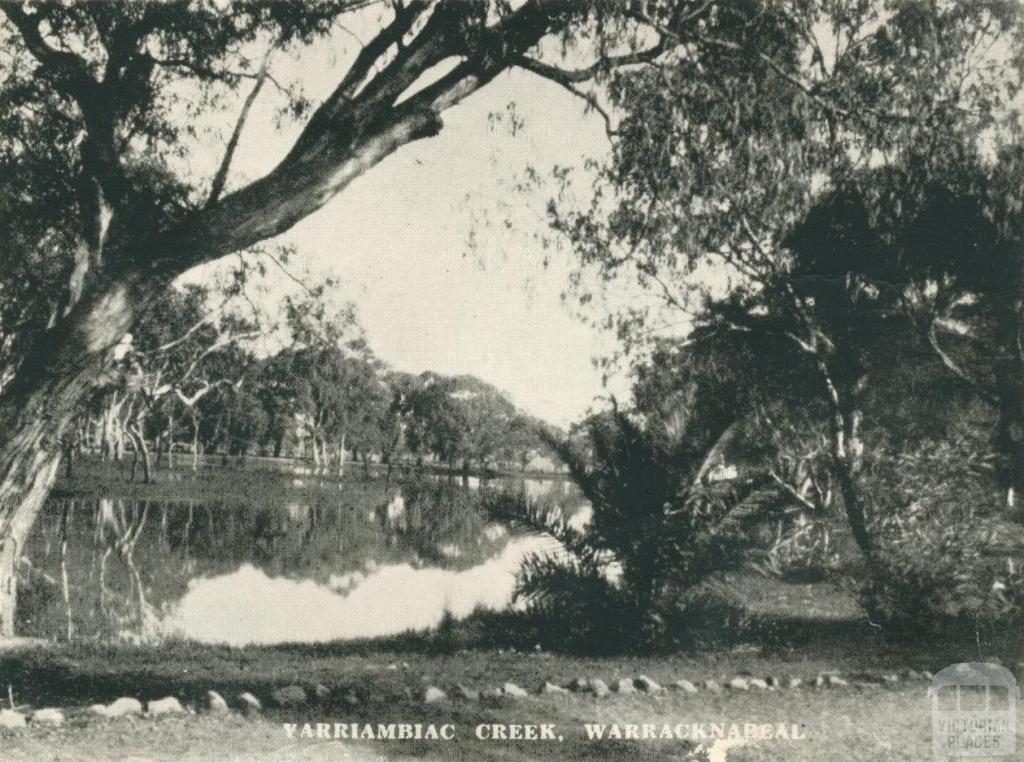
{"x":141,"y":453}
{"x":847,"y":459}
{"x":37,"y":406}
{"x":195,"y":443}
{"x":36,"y":412}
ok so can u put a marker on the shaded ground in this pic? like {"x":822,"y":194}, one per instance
{"x":877,"y":724}
{"x":854,"y":722}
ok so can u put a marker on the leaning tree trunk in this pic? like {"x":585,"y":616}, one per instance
{"x":35,"y":411}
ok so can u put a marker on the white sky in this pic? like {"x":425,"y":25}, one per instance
{"x":398,"y":238}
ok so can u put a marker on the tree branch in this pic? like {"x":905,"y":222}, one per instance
{"x":535,"y":66}
{"x":983,"y":390}
{"x":220,"y":178}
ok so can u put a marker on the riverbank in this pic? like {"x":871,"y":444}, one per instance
{"x":864,"y":714}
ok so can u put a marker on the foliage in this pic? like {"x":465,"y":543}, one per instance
{"x":657,"y":529}
{"x":940,"y":539}
{"x":194,"y":369}
{"x":805,"y":552}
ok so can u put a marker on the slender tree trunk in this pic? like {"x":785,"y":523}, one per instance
{"x":64,"y":583}
{"x":195,"y":441}
{"x":847,"y":459}
{"x":171,"y":425}
{"x":69,"y":460}
{"x":142,"y":453}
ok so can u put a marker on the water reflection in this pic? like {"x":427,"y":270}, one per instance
{"x":323,"y":561}
{"x":247,"y":606}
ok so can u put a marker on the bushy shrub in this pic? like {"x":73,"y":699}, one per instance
{"x":938,"y":527}
{"x":925,"y":574}
{"x":802,"y":552}
{"x":1004,"y":603}
{"x":657,"y":530}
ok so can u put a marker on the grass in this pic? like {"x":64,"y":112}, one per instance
{"x":892,"y":725}
{"x":841,"y":723}
{"x":387,"y":677}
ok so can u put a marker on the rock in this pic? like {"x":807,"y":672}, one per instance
{"x":123,"y":707}
{"x":11,"y":720}
{"x":491,"y":693}
{"x":746,"y":648}
{"x":713,"y":686}
{"x":392,"y":667}
{"x":433,"y":694}
{"x":835,"y":681}
{"x":290,"y":695}
{"x":579,"y":685}
{"x":599,"y":687}
{"x":927,"y":675}
{"x":686,"y":686}
{"x":757,"y":682}
{"x":48,"y":716}
{"x":470,"y":694}
{"x":249,"y":703}
{"x":98,"y":710}
{"x":648,"y":686}
{"x":739,"y":684}
{"x":625,"y":685}
{"x":913,"y":674}
{"x":215,"y":704}
{"x":513,"y":690}
{"x":773,"y":683}
{"x":819,"y":681}
{"x":550,"y":689}
{"x":322,"y":691}
{"x":891,"y":678}
{"x":168,"y":705}
{"x":795,"y":682}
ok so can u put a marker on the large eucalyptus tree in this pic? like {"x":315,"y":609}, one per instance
{"x":98,"y":103}
{"x":765,"y":175}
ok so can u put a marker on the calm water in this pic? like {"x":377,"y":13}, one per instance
{"x":312,"y":559}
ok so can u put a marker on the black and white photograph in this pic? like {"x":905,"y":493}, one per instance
{"x":491,"y":380}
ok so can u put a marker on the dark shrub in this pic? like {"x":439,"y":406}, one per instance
{"x":658,"y":529}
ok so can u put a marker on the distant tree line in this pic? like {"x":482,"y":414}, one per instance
{"x":191,"y":381}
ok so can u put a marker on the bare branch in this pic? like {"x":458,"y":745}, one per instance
{"x":221,"y":177}
{"x":567,"y":77}
{"x":983,"y":390}
{"x":532,"y":65}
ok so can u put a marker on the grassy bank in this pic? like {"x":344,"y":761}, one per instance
{"x":383,"y":681}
